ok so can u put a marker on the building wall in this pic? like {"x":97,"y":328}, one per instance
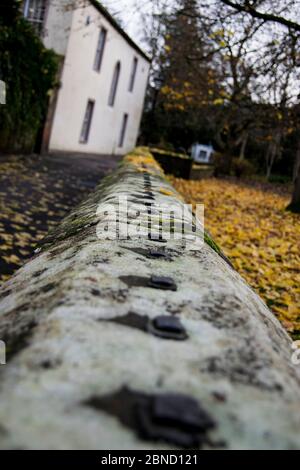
{"x":80,"y":83}
{"x":58,"y":25}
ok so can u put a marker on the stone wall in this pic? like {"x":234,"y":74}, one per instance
{"x":140,"y":343}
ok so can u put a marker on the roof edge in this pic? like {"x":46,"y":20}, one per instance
{"x":116,"y":25}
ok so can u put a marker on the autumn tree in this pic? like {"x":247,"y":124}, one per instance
{"x":241,"y":59}
{"x":231,"y":115}
{"x":283,"y":18}
{"x":204,"y":74}
{"x":179,"y":83}
{"x":255,"y":53}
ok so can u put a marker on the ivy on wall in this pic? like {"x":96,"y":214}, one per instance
{"x":29,"y":71}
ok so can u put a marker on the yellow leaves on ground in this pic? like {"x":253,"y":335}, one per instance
{"x":258,"y":235}
{"x":35,"y":194}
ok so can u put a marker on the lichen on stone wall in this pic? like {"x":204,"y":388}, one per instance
{"x":140,"y":343}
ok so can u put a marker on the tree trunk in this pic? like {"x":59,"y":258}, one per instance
{"x":227,"y":162}
{"x":140,"y":343}
{"x":294,"y":206}
{"x":269,"y":160}
{"x":297,"y":163}
{"x":243,"y":146}
{"x":272,"y":153}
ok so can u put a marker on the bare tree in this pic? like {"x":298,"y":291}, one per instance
{"x":254,"y":53}
{"x":250,"y":7}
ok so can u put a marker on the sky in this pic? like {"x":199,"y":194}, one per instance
{"x":127,"y":11}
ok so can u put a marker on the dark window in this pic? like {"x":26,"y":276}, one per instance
{"x":133,"y":74}
{"x":123,"y":130}
{"x":100,"y":49}
{"x":86,"y":126}
{"x":34,"y":11}
{"x":114,"y":85}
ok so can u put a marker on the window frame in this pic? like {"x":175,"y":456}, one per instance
{"x":87,"y":122}
{"x":133,"y":74}
{"x":123,"y":130}
{"x":203,"y":154}
{"x":114,"y":85}
{"x":37,"y":22}
{"x":102,"y":37}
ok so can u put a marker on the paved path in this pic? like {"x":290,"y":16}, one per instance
{"x":36,"y":192}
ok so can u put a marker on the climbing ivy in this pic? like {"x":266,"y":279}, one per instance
{"x":29,"y":71}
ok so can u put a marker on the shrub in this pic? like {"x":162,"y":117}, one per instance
{"x":280,"y":179}
{"x":220,"y":162}
{"x":242,"y":168}
{"x":29,"y":71}
{"x":226,"y":165}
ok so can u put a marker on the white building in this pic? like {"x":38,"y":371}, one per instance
{"x":202,"y":153}
{"x":103,"y":77}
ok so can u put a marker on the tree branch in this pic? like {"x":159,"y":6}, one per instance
{"x":246,"y":8}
